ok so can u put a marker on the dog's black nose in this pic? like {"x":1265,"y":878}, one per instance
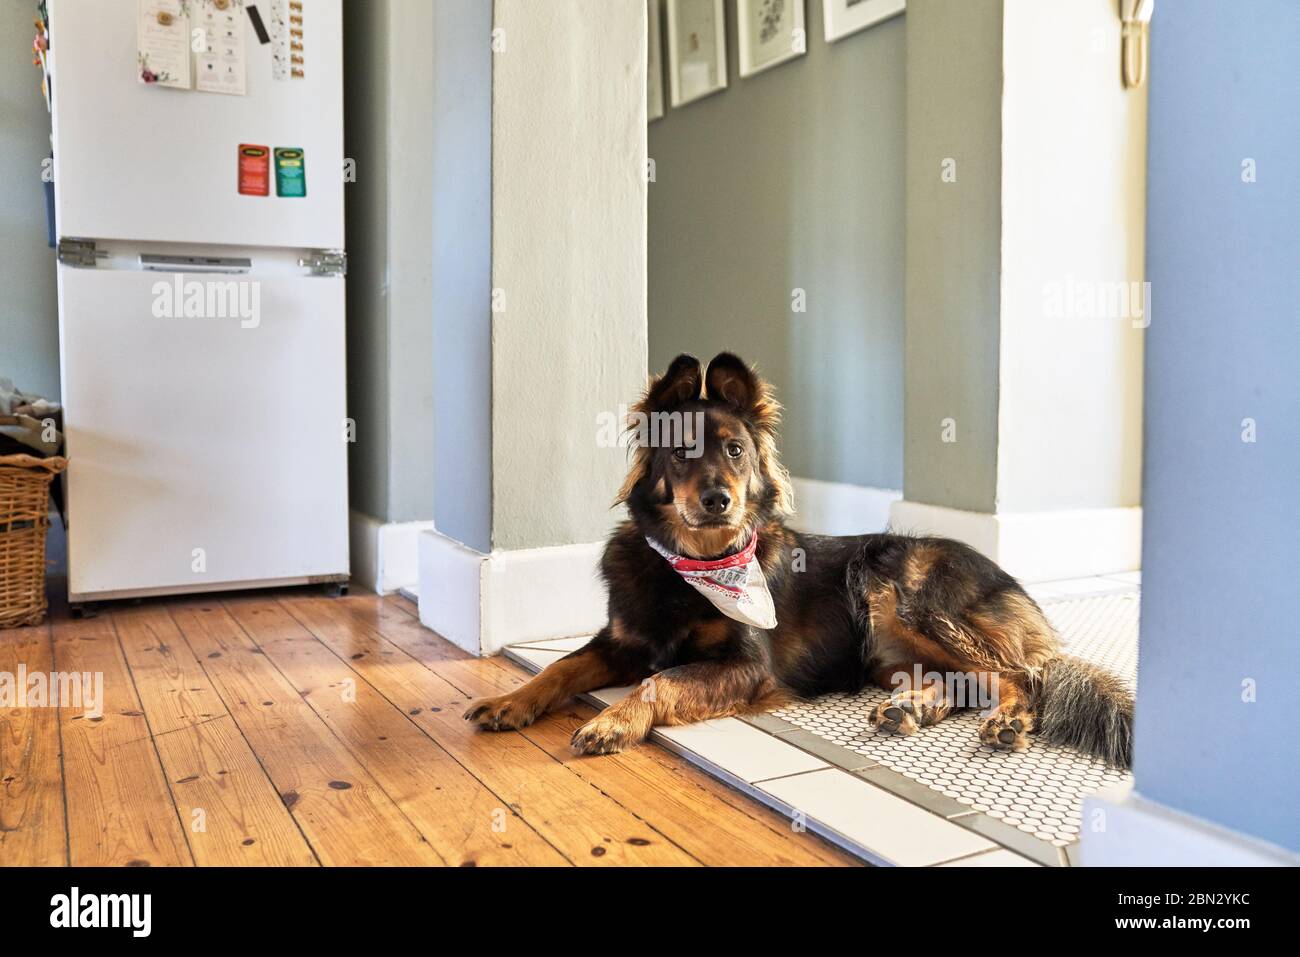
{"x":716,"y":501}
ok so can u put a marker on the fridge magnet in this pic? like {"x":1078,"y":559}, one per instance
{"x":697,"y":49}
{"x":290,"y":172}
{"x":771,"y":32}
{"x":654,"y":74}
{"x":220,"y":64}
{"x":843,"y":17}
{"x":254,"y":170}
{"x":163,"y":43}
{"x":255,"y":18}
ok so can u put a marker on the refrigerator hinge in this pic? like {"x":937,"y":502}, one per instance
{"x":78,"y":252}
{"x":326,"y":262}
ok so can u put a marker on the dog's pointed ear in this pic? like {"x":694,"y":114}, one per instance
{"x":732,"y":382}
{"x":729,"y":380}
{"x":683,"y":382}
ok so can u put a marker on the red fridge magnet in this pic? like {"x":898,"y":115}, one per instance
{"x":254,"y":170}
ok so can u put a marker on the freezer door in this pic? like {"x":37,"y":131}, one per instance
{"x":203,"y":452}
{"x":143,"y":162}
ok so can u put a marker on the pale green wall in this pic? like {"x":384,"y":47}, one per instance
{"x":954,"y":105}
{"x":569,"y":260}
{"x":389,"y":132}
{"x":29,"y":309}
{"x":794,"y":178}
{"x":365,"y":39}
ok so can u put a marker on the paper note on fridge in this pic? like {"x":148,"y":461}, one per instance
{"x":163,"y":43}
{"x":220,"y":64}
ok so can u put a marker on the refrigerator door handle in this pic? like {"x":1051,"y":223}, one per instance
{"x":195,"y":264}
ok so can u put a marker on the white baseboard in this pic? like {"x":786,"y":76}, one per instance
{"x":1036,"y":546}
{"x":485,"y":602}
{"x":1123,"y":829}
{"x":451,"y":576}
{"x":385,"y":555}
{"x":835,"y":508}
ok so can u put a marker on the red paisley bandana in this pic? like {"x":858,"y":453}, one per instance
{"x":734,"y":584}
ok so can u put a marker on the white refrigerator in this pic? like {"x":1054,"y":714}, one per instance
{"x":201,"y":321}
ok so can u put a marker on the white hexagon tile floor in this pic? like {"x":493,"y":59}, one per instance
{"x":1039,"y":791}
{"x":1028,"y":802}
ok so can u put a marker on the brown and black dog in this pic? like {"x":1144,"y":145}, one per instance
{"x":897,"y":611}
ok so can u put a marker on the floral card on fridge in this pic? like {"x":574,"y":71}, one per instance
{"x":163,"y":43}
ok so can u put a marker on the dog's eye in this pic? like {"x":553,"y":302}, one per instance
{"x":735,"y":450}
{"x":680,"y":454}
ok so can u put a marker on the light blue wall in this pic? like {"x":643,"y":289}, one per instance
{"x":1221,"y":556}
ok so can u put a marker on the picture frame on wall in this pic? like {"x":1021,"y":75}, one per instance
{"x":697,"y":49}
{"x":842,"y":17}
{"x":771,"y":32}
{"x":654,"y":75}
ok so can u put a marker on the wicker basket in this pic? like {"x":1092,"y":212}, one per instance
{"x":24,"y":519}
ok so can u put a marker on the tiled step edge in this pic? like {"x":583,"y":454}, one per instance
{"x":530,"y":659}
{"x":913,"y":791}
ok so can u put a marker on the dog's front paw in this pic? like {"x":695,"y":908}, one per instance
{"x":896,"y":716}
{"x":502,"y":713}
{"x":906,"y":712}
{"x":1007,"y":732}
{"x":605,"y":734}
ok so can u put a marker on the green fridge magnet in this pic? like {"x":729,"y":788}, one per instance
{"x":290,"y":172}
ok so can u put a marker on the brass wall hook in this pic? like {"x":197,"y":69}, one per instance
{"x":1136,"y":18}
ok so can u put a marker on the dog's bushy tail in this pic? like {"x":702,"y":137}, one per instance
{"x":1086,"y":708}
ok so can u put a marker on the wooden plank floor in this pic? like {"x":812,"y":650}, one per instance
{"x":286,"y":728}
